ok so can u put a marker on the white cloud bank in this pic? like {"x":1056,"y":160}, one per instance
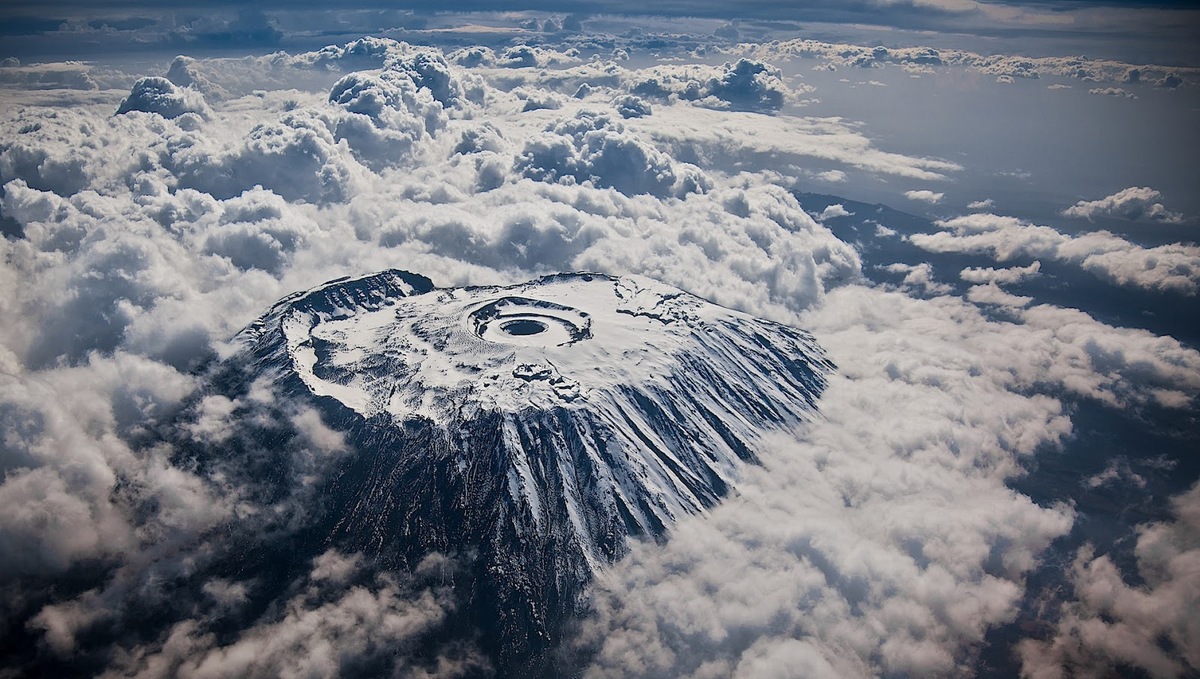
{"x":145,"y":239}
{"x":1007,"y":66}
{"x":883,"y":540}
{"x":1112,"y":624}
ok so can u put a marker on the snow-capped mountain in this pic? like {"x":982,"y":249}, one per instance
{"x":533,"y":427}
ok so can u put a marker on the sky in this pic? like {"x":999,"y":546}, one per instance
{"x":983,"y":212}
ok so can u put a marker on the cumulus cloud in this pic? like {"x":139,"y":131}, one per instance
{"x":831,"y":176}
{"x":744,"y":85}
{"x":991,"y":293}
{"x":918,"y":277}
{"x":529,"y":56}
{"x":144,"y":262}
{"x":630,"y":106}
{"x":1173,"y":267}
{"x":537,"y":99}
{"x":1114,"y":625}
{"x":1134,"y":203}
{"x":925,"y":196}
{"x":594,"y":147}
{"x":155,"y":94}
{"x":388,"y":116}
{"x":832,"y":211}
{"x":831,"y":574}
{"x":1010,"y":275}
{"x":747,"y":84}
{"x":985,"y":204}
{"x":184,"y":72}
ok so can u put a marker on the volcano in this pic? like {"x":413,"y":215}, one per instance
{"x":529,"y":431}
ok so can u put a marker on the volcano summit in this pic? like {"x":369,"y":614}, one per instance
{"x":528,"y":430}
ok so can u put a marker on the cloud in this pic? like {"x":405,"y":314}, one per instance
{"x":1134,"y":204}
{"x":65,"y":450}
{"x":919,"y":277}
{"x":862,"y":574}
{"x":1117,"y":471}
{"x":1006,"y":66}
{"x":831,"y":176}
{"x":593,"y":147}
{"x":630,"y":106}
{"x":832,"y":211}
{"x":388,"y":116}
{"x":749,"y":85}
{"x":54,"y":76}
{"x":984,"y":204}
{"x":528,"y":56}
{"x":1014,"y":274}
{"x":1113,"y":625}
{"x":990,"y":293}
{"x":142,"y":25}
{"x":139,"y":253}
{"x":537,"y":100}
{"x":925,"y":196}
{"x":1174,"y":267}
{"x":836,"y":581}
{"x":744,"y":85}
{"x":1119,"y":92}
{"x":330,"y":629}
{"x":143,"y":241}
{"x":154,"y":94}
{"x":184,"y":72}
{"x":716,"y":136}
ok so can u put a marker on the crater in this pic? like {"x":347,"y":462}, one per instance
{"x":524,"y":326}
{"x":529,"y":322}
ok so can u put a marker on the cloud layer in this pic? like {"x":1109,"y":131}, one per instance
{"x":1174,"y":267}
{"x":145,"y":226}
{"x":1113,"y":625}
